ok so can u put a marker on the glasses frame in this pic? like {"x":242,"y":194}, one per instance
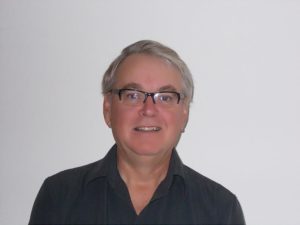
{"x":180,"y":96}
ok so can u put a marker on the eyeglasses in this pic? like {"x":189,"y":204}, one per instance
{"x":134,"y":97}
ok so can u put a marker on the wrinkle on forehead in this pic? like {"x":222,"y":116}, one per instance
{"x":136,"y":86}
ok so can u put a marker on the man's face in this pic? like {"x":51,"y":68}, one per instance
{"x":146,"y":129}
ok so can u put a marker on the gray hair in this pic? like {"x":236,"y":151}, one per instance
{"x":156,"y":49}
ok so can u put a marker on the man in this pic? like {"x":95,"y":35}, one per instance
{"x":147,"y":91}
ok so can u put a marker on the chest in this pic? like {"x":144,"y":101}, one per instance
{"x":103,"y":204}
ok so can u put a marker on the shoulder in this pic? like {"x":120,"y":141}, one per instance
{"x":205,"y":188}
{"x":220,"y":204}
{"x":74,"y":177}
{"x":73,"y":181}
{"x":59,"y":192}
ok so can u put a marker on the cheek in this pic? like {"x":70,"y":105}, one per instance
{"x":120,"y":116}
{"x":119,"y":123}
{"x":175,"y":120}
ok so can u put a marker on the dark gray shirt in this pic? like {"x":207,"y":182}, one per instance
{"x":96,"y":194}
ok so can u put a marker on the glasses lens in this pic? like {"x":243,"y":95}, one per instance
{"x":167,"y":98}
{"x":131,"y":97}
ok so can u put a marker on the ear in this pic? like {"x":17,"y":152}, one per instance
{"x":107,"y":109}
{"x":186,"y":112}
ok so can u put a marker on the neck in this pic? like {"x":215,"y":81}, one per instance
{"x":136,"y":169}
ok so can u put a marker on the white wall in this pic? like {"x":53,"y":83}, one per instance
{"x":244,"y":123}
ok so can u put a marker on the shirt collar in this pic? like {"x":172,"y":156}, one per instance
{"x":104,"y":166}
{"x":175,"y":171}
{"x":107,"y":167}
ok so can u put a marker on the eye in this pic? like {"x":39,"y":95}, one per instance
{"x":131,"y":96}
{"x":166,"y":97}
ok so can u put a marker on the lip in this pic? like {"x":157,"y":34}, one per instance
{"x":147,"y":128}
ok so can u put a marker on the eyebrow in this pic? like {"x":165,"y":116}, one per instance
{"x":137,"y":86}
{"x":167,"y":88}
{"x":132,"y":85}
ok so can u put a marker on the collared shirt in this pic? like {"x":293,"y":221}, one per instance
{"x":96,"y":194}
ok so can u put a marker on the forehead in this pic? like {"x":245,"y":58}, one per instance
{"x":147,"y":72}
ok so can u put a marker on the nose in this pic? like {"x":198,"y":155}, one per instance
{"x":149,"y":107}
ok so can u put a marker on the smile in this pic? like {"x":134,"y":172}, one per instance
{"x":147,"y":129}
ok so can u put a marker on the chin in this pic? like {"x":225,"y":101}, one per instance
{"x":148,"y":150}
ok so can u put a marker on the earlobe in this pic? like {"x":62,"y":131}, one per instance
{"x":107,"y":110}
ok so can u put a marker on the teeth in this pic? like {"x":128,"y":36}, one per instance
{"x":147,"y":128}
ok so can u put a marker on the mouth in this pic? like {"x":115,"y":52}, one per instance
{"x":147,"y":129}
